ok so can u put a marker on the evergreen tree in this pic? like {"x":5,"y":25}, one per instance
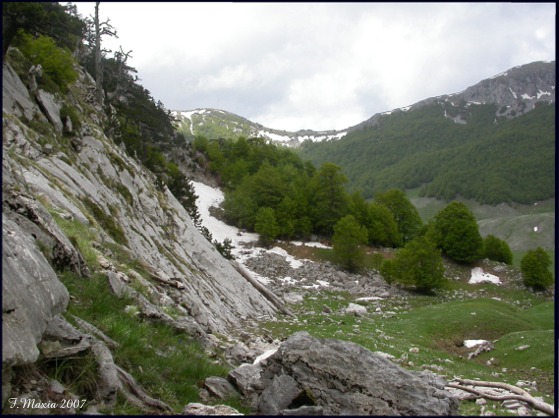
{"x":535,"y":269}
{"x":456,"y":232}
{"x":348,"y":237}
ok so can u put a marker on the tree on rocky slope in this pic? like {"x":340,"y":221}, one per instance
{"x":348,"y":237}
{"x":49,"y":19}
{"x":496,"y":249}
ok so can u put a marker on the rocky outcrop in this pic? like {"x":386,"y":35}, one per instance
{"x":102,"y":187}
{"x":31,"y":296}
{"x":317,"y":376}
{"x":110,"y":202}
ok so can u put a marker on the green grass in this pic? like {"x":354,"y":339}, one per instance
{"x":438,"y":329}
{"x":168,"y":364}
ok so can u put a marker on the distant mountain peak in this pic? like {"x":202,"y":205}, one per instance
{"x":515,"y":92}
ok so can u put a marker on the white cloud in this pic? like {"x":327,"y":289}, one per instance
{"x":323,"y":65}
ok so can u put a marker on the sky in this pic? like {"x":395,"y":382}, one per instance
{"x":321,"y":66}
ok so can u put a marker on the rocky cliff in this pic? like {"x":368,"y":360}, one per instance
{"x":53,"y":171}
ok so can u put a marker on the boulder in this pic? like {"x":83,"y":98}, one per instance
{"x":31,"y":295}
{"x":355,"y":309}
{"x":51,"y":109}
{"x":220,"y":387}
{"x":335,"y":377}
{"x":200,"y":409}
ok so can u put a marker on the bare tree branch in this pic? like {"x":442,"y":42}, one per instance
{"x":518,"y":393}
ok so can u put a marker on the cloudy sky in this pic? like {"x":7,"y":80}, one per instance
{"x":321,"y":65}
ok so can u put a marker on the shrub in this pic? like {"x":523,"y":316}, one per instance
{"x":535,"y":269}
{"x":497,"y":250}
{"x":57,"y":63}
{"x":419,"y":264}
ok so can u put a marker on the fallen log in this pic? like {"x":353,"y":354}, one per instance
{"x":518,"y":393}
{"x":265,"y":292}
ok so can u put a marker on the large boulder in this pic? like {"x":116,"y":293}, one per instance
{"x":31,"y":296}
{"x":338,"y":378}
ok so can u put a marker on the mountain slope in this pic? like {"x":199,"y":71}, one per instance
{"x":78,"y":208}
{"x":490,"y":143}
{"x":213,"y":124}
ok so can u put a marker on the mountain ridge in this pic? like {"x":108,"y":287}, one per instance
{"x":515,"y":90}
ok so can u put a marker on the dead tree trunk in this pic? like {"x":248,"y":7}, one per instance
{"x":518,"y":393}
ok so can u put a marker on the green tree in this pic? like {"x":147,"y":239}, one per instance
{"x":404,"y":212}
{"x":57,"y":63}
{"x":329,"y":198}
{"x":382,"y":227}
{"x":496,"y":249}
{"x":535,"y":269}
{"x":456,"y":232}
{"x":42,"y":18}
{"x":266,"y":226}
{"x":419,"y":264}
{"x":348,"y":237}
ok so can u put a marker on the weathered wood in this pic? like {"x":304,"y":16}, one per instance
{"x":265,"y":292}
{"x":519,"y":393}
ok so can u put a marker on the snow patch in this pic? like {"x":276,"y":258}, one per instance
{"x":479,"y":276}
{"x":368,"y":298}
{"x":264,"y":355}
{"x":473,"y":343}
{"x":293,"y":262}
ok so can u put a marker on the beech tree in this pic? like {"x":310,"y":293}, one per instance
{"x":404,"y":212}
{"x":329,"y":198}
{"x":266,"y":226}
{"x":497,"y":250}
{"x":348,"y":237}
{"x":455,"y":231}
{"x":419,"y":264}
{"x":535,"y":269}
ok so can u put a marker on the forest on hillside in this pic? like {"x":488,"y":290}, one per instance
{"x":487,"y":159}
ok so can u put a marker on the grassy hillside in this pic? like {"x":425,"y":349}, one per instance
{"x":437,"y":326}
{"x":486,"y":159}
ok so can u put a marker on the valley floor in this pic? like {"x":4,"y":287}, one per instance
{"x":484,"y":304}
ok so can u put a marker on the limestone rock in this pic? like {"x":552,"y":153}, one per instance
{"x":220,"y":387}
{"x":355,"y":309}
{"x":200,"y":409}
{"x":51,"y":109}
{"x":340,"y":378}
{"x":31,"y":295}
{"x":15,"y":97}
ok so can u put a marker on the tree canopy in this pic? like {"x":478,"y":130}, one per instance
{"x":456,"y":232}
{"x":535,"y":269}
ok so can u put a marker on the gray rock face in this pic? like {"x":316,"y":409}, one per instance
{"x":31,"y":295}
{"x":51,"y":109}
{"x":338,"y":378}
{"x":105,"y":189}
{"x":15,"y":97}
